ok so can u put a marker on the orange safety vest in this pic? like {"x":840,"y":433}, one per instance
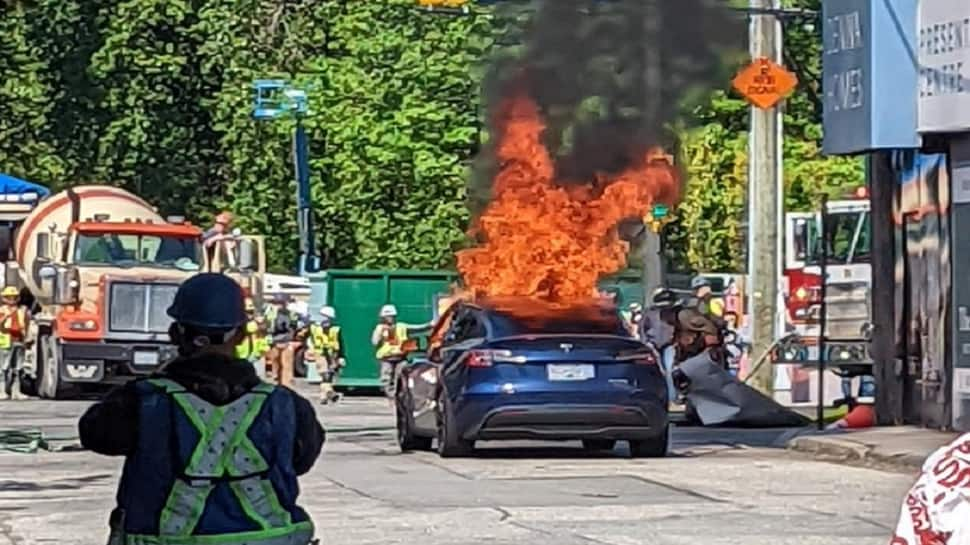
{"x":13,"y":321}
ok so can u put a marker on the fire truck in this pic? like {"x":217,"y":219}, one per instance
{"x":848,"y":241}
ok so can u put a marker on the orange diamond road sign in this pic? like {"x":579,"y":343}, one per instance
{"x":765,"y":83}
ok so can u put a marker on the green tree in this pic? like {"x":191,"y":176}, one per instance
{"x":25,"y":99}
{"x":716,"y":163}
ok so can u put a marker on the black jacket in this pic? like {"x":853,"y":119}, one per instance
{"x":110,"y":427}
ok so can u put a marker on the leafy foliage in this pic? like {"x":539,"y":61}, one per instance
{"x":716,"y":162}
{"x":156,"y":95}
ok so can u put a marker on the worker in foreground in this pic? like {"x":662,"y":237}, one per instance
{"x":13,"y":330}
{"x":936,"y":510}
{"x":327,"y":349}
{"x":389,"y":338}
{"x":212,"y":453}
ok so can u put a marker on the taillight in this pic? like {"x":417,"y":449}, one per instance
{"x":479,"y":358}
{"x":640,"y":358}
{"x":485,"y":358}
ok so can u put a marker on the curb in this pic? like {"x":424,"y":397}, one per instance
{"x":832,"y":448}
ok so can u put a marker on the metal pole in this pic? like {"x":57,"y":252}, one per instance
{"x":653,"y":266}
{"x":822,"y":312}
{"x":303,"y":199}
{"x":764,"y":193}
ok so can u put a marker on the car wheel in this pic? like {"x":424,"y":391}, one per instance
{"x":406,"y":438}
{"x":596,"y":445}
{"x":651,"y":448}
{"x":450,"y":442}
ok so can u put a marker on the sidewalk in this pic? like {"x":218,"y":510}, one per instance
{"x":904,"y":447}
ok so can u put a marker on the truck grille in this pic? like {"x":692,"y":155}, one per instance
{"x":847,"y":309}
{"x":139,"y":307}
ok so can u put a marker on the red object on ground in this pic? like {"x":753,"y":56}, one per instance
{"x":862,"y":416}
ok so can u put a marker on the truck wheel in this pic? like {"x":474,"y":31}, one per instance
{"x":49,"y":376}
{"x":299,"y":363}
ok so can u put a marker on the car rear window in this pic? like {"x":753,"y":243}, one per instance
{"x":539,"y":318}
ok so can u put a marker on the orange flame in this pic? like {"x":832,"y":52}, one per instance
{"x":549,"y":238}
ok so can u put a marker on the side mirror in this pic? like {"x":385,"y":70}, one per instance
{"x":867,"y":330}
{"x":67,"y":286}
{"x":247,"y":255}
{"x":44,"y":246}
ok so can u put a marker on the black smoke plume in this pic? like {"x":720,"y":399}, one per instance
{"x":611,"y":77}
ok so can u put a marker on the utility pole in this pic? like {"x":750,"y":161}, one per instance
{"x":765,"y":192}
{"x":652,"y":20}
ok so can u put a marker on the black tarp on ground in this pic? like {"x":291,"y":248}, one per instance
{"x":717,"y":398}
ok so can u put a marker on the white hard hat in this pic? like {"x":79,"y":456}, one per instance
{"x":388,"y":311}
{"x":329,"y":312}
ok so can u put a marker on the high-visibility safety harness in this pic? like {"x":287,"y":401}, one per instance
{"x":327,"y":342}
{"x":224,"y":453}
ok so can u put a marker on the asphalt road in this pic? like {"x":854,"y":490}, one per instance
{"x":718,"y":487}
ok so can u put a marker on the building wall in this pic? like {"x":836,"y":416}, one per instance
{"x":911,"y":286}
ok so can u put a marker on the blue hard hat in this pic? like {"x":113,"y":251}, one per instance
{"x":209,"y":301}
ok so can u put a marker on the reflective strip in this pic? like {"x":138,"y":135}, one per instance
{"x":184,"y":508}
{"x":224,"y":448}
{"x":294,"y":534}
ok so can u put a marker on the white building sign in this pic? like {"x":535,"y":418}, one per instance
{"x":944,"y":61}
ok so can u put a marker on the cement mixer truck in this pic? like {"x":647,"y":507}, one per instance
{"x":101,"y":267}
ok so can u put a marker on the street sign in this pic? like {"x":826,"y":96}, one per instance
{"x":764,"y":83}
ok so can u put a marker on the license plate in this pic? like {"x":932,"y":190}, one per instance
{"x":145,"y":358}
{"x":564,"y":372}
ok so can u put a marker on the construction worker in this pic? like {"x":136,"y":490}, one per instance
{"x":657,"y":328}
{"x":704,"y":299}
{"x":212,"y":453}
{"x":282,"y":351}
{"x":221,"y":228}
{"x":13,"y":329}
{"x":697,"y":346}
{"x":254,"y":345}
{"x":327,"y":348}
{"x":388,"y":338}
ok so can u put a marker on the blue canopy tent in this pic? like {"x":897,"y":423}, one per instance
{"x":17,"y":190}
{"x":17,"y":199}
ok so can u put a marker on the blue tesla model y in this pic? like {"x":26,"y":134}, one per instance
{"x":498,"y":371}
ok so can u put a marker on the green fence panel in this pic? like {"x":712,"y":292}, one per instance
{"x":357,"y":296}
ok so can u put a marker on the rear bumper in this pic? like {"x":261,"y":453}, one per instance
{"x":110,"y":363}
{"x":566,"y":421}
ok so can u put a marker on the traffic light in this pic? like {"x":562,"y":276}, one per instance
{"x":658,"y":217}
